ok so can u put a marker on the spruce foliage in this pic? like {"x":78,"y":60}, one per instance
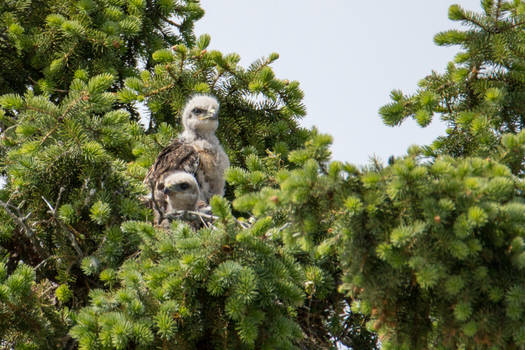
{"x":221,"y":287}
{"x":433,"y":243}
{"x":480,"y":95}
{"x":44,"y":43}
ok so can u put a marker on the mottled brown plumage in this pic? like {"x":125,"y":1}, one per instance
{"x":177,"y":156}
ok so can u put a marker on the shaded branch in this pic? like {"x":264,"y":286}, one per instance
{"x":154,"y":202}
{"x":206,"y":219}
{"x":68,"y":228}
{"x":159,"y":90}
{"x":165,"y":19}
{"x":16,"y":214}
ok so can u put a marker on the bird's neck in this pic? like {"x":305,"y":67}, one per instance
{"x":200,"y":135}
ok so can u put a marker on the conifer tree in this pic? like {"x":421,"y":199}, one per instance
{"x":434,"y":243}
{"x":74,"y":157}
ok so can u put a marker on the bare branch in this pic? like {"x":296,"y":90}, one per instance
{"x":68,"y":228}
{"x":42,"y":263}
{"x":16,"y":214}
{"x":206,"y":219}
{"x":164,"y":18}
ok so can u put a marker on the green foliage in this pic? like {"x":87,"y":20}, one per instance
{"x":74,"y":156}
{"x":185,"y":285}
{"x":465,"y":255}
{"x":65,"y":162}
{"x":30,"y":320}
{"x":50,"y":40}
{"x":301,"y":203}
{"x":435,"y":238}
{"x":479,"y":95}
{"x":251,"y":98}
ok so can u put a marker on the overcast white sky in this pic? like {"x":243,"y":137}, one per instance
{"x":347,"y":54}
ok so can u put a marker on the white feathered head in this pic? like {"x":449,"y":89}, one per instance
{"x":201,"y":114}
{"x":181,"y":190}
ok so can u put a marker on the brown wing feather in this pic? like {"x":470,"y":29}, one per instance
{"x":177,"y":156}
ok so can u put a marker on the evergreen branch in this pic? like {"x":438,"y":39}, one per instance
{"x":31,"y":108}
{"x":181,"y":66}
{"x":478,"y":23}
{"x":514,"y":25}
{"x":498,"y":9}
{"x":54,"y":89}
{"x":67,"y":227}
{"x":159,"y":90}
{"x":172,"y":74}
{"x":164,"y":18}
{"x":219,"y":75}
{"x":84,"y":96}
{"x":16,"y":214}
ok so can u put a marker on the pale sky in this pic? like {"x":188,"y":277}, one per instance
{"x":347,"y":54}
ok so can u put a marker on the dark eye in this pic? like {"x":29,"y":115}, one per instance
{"x":198,"y":110}
{"x":184,"y":186}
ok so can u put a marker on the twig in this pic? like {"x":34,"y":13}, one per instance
{"x":206,"y":216}
{"x":206,"y":219}
{"x":498,"y":9}
{"x":42,"y":263}
{"x":282,"y":228}
{"x":189,"y":215}
{"x":170,"y":21}
{"x":213,"y":218}
{"x":207,"y":225}
{"x":159,"y":90}
{"x":4,"y":132}
{"x":154,"y":201}
{"x":70,"y":230}
{"x":16,"y":214}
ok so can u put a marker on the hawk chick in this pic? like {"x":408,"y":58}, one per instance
{"x":197,"y":151}
{"x":179,"y":190}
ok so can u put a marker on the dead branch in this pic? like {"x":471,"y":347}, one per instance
{"x":68,"y":228}
{"x":206,"y":219}
{"x":15,"y":212}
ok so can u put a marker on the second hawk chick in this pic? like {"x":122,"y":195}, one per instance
{"x":175,"y":191}
{"x":179,"y":190}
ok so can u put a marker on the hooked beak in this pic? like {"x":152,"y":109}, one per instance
{"x":211,"y":114}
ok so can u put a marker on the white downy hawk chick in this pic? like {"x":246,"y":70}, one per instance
{"x":177,"y":190}
{"x":197,"y":151}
